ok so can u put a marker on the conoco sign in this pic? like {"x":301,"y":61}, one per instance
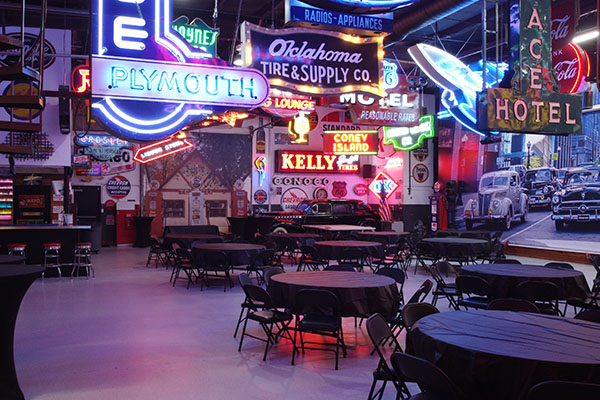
{"x":571,"y":65}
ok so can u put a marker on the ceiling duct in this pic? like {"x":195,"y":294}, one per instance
{"x":421,"y":14}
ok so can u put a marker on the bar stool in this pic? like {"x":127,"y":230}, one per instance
{"x":83,"y":258}
{"x":17,"y":249}
{"x":51,"y":257}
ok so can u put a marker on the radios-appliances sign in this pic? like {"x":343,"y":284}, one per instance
{"x":315,"y":62}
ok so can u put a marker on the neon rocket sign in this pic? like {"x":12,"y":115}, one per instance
{"x":148,"y":82}
{"x":459,"y":81}
{"x":162,"y":148}
{"x":407,"y":138}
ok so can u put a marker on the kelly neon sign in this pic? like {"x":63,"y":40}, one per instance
{"x":161,"y":149}
{"x":411,"y":137}
{"x":350,"y":142}
{"x":315,"y":162}
{"x":148,"y":82}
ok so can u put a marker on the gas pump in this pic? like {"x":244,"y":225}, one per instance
{"x":451,"y":195}
{"x":438,"y":204}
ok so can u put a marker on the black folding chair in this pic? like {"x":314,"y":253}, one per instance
{"x":473,"y":292}
{"x":269,"y":272}
{"x":318,"y":312}
{"x":560,"y":390}
{"x":411,"y":313}
{"x":589,"y":315}
{"x":353,"y":257}
{"x":216,"y":262}
{"x":157,"y":253}
{"x":559,"y":265}
{"x":519,"y":305}
{"x":380,"y":333}
{"x":183,"y":262}
{"x":434,"y":383}
{"x":247,"y":305}
{"x":264,"y":259}
{"x":391,"y":259}
{"x":505,"y":261}
{"x":426,"y":252}
{"x":442,"y":288}
{"x":267,"y":317}
{"x":397,"y":275}
{"x":544,"y":294}
{"x":310,"y":259}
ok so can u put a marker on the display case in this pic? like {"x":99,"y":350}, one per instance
{"x":6,"y":200}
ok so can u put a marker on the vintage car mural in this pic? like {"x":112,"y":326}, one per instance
{"x":579,"y":200}
{"x":540,"y":185}
{"x":501,"y":199}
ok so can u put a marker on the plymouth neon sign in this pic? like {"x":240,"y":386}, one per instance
{"x":148,"y":82}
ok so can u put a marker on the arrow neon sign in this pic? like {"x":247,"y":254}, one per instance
{"x":161,"y":149}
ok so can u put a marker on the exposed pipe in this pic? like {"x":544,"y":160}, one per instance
{"x":419,"y":15}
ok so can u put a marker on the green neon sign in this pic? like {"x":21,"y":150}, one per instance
{"x":197,"y":34}
{"x":407,"y":138}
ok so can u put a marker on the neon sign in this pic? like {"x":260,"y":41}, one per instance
{"x":289,"y":103}
{"x":80,"y":79}
{"x":261,"y":167}
{"x":459,"y":81}
{"x":198,"y":34}
{"x":533,"y":106}
{"x":361,"y":4}
{"x":101,"y":140}
{"x":299,"y":128}
{"x":350,"y":142}
{"x":383,"y":184}
{"x":148,"y":82}
{"x":160,"y":149}
{"x":411,"y":137}
{"x":395,"y":163}
{"x":571,"y":65}
{"x":315,"y":162}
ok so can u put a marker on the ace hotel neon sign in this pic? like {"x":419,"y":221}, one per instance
{"x":148,"y":82}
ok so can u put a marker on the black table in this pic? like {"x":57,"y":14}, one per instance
{"x":298,"y":237}
{"x":504,"y":278}
{"x":186,"y":239}
{"x":392,"y":237}
{"x":476,"y":246}
{"x":237,"y":253}
{"x":8,"y":259}
{"x":14,"y":282}
{"x":360,"y":294}
{"x":333,"y":249}
{"x":500,"y":355}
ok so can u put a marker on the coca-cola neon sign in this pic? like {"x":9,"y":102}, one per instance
{"x":571,"y":65}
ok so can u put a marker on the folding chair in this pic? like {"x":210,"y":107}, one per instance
{"x":544,"y":294}
{"x":473,"y":292}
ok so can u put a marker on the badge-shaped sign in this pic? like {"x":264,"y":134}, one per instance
{"x":260,"y":196}
{"x":383,"y":184}
{"x":291,"y":198}
{"x":409,"y":137}
{"x":534,"y":105}
{"x":148,"y":82}
{"x":339,"y":189}
{"x":313,"y":62}
{"x":118,"y":187}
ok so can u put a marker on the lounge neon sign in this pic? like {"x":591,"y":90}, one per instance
{"x":161,"y":149}
{"x":350,"y":142}
{"x":409,"y":137}
{"x":148,"y":82}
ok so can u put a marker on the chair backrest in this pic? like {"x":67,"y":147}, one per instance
{"x":393,"y":250}
{"x":265,"y":257}
{"x":428,"y":376}
{"x":380,"y":334}
{"x":309,"y":253}
{"x":351,"y":254}
{"x":436,"y":270}
{"x":589,"y":315}
{"x":411,"y":313}
{"x":595,"y":261}
{"x":183,"y":254}
{"x":559,"y":265}
{"x":344,"y":268}
{"x":537,"y":291}
{"x":458,"y":251}
{"x":395,"y":273}
{"x":421,"y":293}
{"x":426,"y":249}
{"x":469,"y":284}
{"x":317,"y":301}
{"x":506,"y":261}
{"x":155,"y":243}
{"x":257,"y":295}
{"x":269,"y":272}
{"x":513,"y":305}
{"x":244,"y":279}
{"x":555,"y":390}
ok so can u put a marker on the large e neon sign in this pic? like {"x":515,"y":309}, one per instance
{"x":148,"y":82}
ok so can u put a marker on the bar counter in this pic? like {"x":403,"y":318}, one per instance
{"x":34,"y":236}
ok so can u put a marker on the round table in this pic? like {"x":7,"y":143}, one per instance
{"x":502,"y":354}
{"x":477,"y":246}
{"x":504,"y":278}
{"x":333,"y":249}
{"x":392,"y":237}
{"x":298,"y":237}
{"x":238,"y":253}
{"x":14,"y":282}
{"x":189,"y":238}
{"x":360,"y":294}
{"x":10,"y":259}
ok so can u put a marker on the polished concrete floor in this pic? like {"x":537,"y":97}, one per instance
{"x":128,"y":334}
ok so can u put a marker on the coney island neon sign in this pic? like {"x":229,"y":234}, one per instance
{"x":148,"y":82}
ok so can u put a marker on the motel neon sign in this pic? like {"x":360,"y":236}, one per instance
{"x":148,"y":82}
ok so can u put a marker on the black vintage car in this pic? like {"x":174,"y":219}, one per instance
{"x":540,"y":185}
{"x":326,"y":212}
{"x":579,"y":200}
